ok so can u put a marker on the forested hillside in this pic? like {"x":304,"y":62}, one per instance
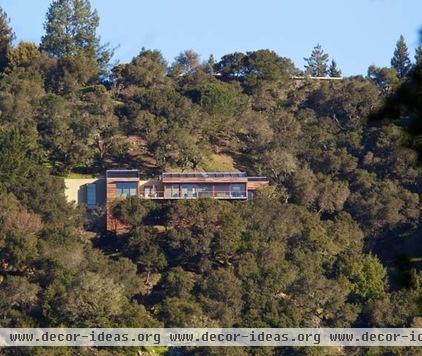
{"x":335,"y":240}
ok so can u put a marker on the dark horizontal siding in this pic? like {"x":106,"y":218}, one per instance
{"x":122,"y":173}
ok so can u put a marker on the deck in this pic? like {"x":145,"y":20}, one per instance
{"x":220,"y":195}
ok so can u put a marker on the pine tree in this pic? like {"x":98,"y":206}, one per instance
{"x":210,"y":64}
{"x":6,"y":38}
{"x":71,"y":27}
{"x":317,"y":63}
{"x":334,"y":71}
{"x":400,"y":61}
{"x":418,"y":56}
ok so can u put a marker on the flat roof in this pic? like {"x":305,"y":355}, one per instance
{"x":122,"y":173}
{"x":204,"y":175}
{"x":235,"y":176}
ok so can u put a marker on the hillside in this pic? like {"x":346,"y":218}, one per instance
{"x":335,"y":241}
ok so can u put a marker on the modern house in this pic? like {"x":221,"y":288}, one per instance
{"x":122,"y":183}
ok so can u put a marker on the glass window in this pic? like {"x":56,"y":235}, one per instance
{"x":204,"y":191}
{"x":126,"y":189}
{"x":222,"y":191}
{"x":237,"y":190}
{"x":91,"y":196}
{"x":175,"y":193}
{"x":189,"y":191}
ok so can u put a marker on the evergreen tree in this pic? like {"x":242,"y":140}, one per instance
{"x":418,"y":55}
{"x":71,"y":27}
{"x":400,"y":61}
{"x":317,"y":63}
{"x":334,"y":71}
{"x":6,"y":38}
{"x":210,"y":65}
{"x":386,"y":79}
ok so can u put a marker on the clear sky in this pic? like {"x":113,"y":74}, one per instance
{"x":356,"y":33}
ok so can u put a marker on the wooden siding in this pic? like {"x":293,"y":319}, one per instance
{"x":112,"y":223}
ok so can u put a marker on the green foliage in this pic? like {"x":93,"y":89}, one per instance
{"x":386,"y":79}
{"x":219,"y":99}
{"x":333,"y":70}
{"x":356,"y":100}
{"x":215,"y":238}
{"x":144,"y":250}
{"x":19,"y":99}
{"x":181,"y":313}
{"x":148,"y":69}
{"x":406,"y":103}
{"x":401,"y":61}
{"x":176,"y":282}
{"x":6,"y":38}
{"x":71,"y":32}
{"x":220,"y":295}
{"x":231,"y":66}
{"x":384,"y":205}
{"x":418,"y":55}
{"x":186,"y":63}
{"x":132,"y":210}
{"x":71,"y":73}
{"x":19,"y":232}
{"x":301,"y":254}
{"x":16,"y":164}
{"x":367,"y":277}
{"x":266,"y":65}
{"x":317,"y":63}
{"x":254,"y":67}
{"x":18,"y":298}
{"x":23,"y":55}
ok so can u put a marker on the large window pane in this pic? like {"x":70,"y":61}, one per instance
{"x":189,"y":191}
{"x":126,"y":189}
{"x":237,"y":190}
{"x":204,"y":191}
{"x":222,"y":190}
{"x":91,"y":196}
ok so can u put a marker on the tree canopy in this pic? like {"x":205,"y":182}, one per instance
{"x":334,"y":241}
{"x":6,"y":38}
{"x":71,"y":27}
{"x":317,"y":62}
{"x":401,"y":61}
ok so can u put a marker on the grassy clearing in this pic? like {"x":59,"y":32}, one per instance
{"x":218,"y":163}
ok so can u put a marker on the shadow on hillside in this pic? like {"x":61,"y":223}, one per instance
{"x":400,"y":253}
{"x":244,"y":163}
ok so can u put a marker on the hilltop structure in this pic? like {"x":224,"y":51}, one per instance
{"x":122,"y":183}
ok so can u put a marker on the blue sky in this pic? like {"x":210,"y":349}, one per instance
{"x":356,"y":33}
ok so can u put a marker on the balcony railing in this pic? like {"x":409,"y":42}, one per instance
{"x":197,"y":195}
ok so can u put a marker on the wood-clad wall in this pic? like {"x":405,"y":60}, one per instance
{"x":112,"y":223}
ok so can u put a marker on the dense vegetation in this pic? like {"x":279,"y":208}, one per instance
{"x":335,"y":240}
